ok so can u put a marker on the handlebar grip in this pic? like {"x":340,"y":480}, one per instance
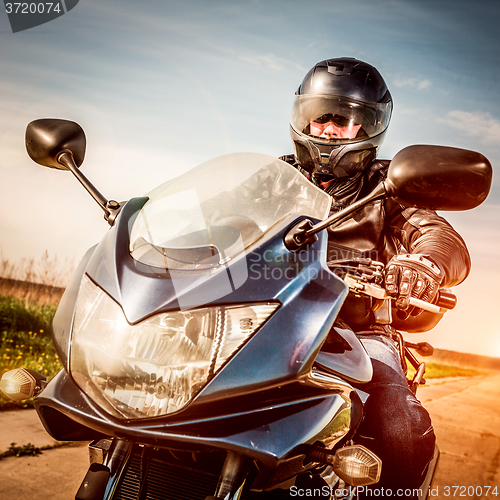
{"x":426,"y":306}
{"x":446,"y":300}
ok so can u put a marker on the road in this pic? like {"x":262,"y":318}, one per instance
{"x":465,"y":412}
{"x":56,"y":474}
{"x":466,"y":418}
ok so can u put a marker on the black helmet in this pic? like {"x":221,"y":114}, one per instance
{"x":339,"y":118}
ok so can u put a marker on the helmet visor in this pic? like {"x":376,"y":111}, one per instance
{"x":338,"y":120}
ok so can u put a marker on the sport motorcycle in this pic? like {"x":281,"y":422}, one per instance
{"x":191,"y":335}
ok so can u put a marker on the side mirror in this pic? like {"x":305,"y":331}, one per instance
{"x":61,"y":144}
{"x":48,"y":138}
{"x":435,"y":177}
{"x":439,"y":177}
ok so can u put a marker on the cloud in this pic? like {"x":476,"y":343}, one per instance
{"x":268,"y":61}
{"x":413,"y":83}
{"x":481,"y":125}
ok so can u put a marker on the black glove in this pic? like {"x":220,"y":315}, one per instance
{"x":412,"y":275}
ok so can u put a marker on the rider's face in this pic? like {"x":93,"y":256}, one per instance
{"x":332,"y":127}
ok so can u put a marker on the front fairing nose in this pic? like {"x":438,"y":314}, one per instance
{"x":310,"y":297}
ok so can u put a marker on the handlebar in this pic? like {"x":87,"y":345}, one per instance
{"x":359,"y":284}
{"x":445,"y":302}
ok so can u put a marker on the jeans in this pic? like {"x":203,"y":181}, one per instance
{"x":396,"y":427}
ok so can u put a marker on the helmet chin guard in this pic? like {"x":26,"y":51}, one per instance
{"x":339,"y":118}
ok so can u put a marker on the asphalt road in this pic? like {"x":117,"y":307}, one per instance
{"x":465,"y":412}
{"x":466,"y":418}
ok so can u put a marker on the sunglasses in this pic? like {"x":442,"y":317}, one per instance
{"x":338,"y":120}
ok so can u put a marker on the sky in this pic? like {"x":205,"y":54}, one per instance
{"x":162,"y":86}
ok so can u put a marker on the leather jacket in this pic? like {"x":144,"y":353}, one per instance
{"x":384,"y":228}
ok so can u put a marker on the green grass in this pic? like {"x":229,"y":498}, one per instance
{"x":439,"y":370}
{"x":20,"y":316}
{"x":25,"y":342}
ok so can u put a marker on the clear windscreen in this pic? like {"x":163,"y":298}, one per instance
{"x":205,"y":217}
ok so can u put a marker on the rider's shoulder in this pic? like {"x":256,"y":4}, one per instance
{"x":377,"y":171}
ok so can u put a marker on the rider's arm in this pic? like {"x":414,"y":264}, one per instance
{"x":425,"y":232}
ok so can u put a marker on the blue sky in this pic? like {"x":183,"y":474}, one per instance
{"x":161,"y":86}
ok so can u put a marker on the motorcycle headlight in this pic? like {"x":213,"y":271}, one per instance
{"x":157,"y":366}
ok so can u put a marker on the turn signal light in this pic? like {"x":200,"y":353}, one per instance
{"x":357,"y":465}
{"x":22,"y":383}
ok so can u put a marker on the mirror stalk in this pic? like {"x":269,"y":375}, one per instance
{"x":111,"y":208}
{"x":378,"y":193}
{"x":66,"y":158}
{"x":304,"y":232}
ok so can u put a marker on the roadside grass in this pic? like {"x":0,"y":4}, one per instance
{"x":39,"y":280}
{"x":440,"y":370}
{"x":25,"y":342}
{"x":18,"y":315}
{"x":30,"y":450}
{"x":45,"y":270}
{"x":30,"y":290}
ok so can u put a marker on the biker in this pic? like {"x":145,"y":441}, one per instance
{"x":339,"y":119}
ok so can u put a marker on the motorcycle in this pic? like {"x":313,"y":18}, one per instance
{"x":191,"y":335}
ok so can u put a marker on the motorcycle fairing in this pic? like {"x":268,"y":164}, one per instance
{"x":63,"y":319}
{"x":310,"y":294}
{"x":142,"y":291}
{"x":310,"y":297}
{"x":353,"y":364}
{"x":271,"y":434}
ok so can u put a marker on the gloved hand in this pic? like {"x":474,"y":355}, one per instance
{"x":414,"y":275}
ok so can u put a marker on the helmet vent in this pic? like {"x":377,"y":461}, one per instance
{"x":340,"y":69}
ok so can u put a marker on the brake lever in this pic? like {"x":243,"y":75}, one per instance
{"x":378,"y":292}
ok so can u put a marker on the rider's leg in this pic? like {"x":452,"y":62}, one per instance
{"x":396,"y":426}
